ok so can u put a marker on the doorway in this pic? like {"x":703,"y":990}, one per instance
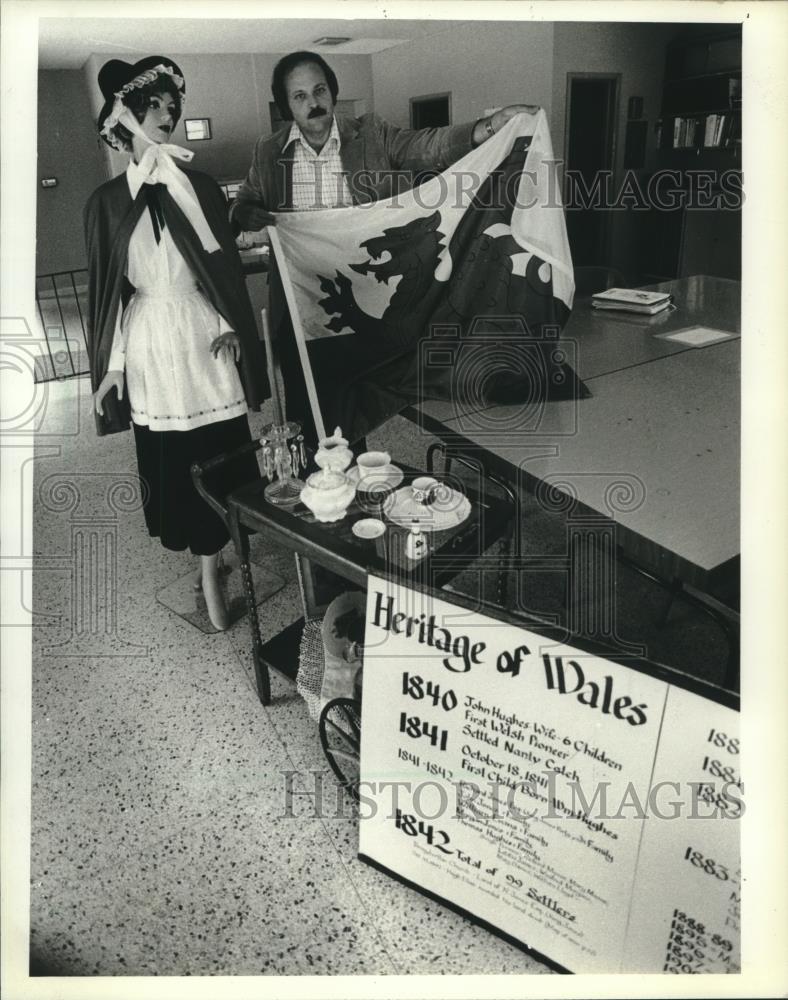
{"x":430,"y":111}
{"x":591,"y":115}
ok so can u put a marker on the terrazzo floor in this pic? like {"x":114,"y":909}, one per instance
{"x":161,"y":840}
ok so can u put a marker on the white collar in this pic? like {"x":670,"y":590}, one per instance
{"x":136,"y":178}
{"x":296,"y":135}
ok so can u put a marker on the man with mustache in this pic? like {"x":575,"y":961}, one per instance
{"x":327,"y":161}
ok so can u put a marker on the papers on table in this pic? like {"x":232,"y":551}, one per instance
{"x":697,"y":336}
{"x":255,"y":253}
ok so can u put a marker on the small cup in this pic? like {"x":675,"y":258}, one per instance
{"x":424,"y":489}
{"x":373,"y":461}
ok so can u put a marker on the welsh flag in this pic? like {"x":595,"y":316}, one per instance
{"x":457,"y":289}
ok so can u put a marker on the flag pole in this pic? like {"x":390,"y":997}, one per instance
{"x":279,"y":413}
{"x":299,"y":332}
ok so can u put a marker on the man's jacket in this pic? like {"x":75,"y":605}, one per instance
{"x":110,"y":217}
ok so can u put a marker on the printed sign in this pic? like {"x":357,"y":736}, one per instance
{"x":580,"y":806}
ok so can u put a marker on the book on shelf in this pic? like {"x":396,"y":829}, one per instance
{"x":631,"y":300}
{"x":733,"y":132}
{"x":685,"y":131}
{"x":715,"y":129}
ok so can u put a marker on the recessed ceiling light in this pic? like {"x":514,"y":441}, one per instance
{"x":330,"y":40}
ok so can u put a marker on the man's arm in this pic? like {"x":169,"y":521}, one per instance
{"x":438,"y":148}
{"x":427,"y":148}
{"x":248,"y":212}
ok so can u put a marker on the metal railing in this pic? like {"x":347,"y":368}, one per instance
{"x":61,"y":302}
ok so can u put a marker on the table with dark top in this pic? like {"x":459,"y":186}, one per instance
{"x":334,"y":546}
{"x":255,"y":260}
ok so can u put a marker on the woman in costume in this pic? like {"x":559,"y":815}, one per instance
{"x":172,"y":340}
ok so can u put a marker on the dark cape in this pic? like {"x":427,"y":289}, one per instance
{"x":109,"y":219}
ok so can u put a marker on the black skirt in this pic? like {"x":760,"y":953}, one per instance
{"x":174,"y":511}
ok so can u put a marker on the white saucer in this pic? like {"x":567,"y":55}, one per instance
{"x":387,"y":477}
{"x":449,"y":509}
{"x":368,"y":527}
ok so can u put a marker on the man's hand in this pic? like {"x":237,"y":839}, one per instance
{"x":228,"y":345}
{"x":502,"y":115}
{"x":485,"y":128}
{"x":112,"y":380}
{"x":252,"y":217}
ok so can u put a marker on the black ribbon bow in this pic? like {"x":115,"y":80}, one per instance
{"x":153,"y":199}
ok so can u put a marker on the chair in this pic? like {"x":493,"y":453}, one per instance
{"x":589,"y":280}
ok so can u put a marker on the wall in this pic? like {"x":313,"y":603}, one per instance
{"x":68,"y":150}
{"x":483,"y":65}
{"x":113,"y":162}
{"x":637,"y":52}
{"x":233,"y":90}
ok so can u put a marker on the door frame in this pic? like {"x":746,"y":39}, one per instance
{"x":616,"y":78}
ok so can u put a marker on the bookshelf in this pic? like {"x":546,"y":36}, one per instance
{"x":701,"y":99}
{"x":699,"y":132}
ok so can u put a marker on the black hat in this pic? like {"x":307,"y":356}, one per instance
{"x":116,"y":78}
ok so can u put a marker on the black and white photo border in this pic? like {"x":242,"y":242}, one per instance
{"x":764,"y":495}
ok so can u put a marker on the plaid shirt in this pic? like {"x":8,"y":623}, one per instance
{"x":318,"y":178}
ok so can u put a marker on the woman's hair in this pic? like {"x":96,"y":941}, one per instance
{"x":289,"y":63}
{"x":137,"y":102}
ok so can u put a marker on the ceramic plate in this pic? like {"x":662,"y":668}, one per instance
{"x":449,"y":509}
{"x":368,"y":527}
{"x":389,"y":477}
